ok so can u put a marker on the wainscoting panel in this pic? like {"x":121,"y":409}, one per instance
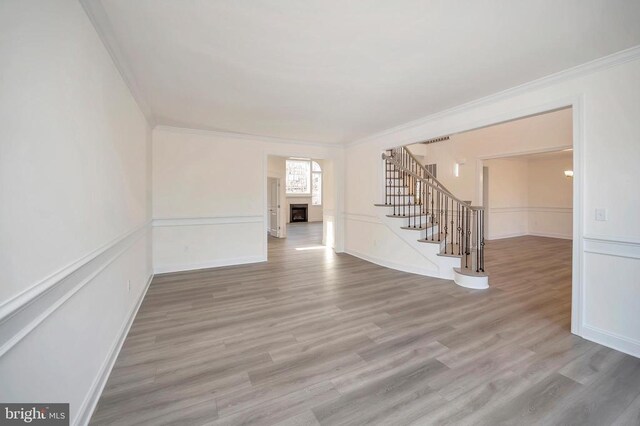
{"x":59,"y":344}
{"x":509,"y":222}
{"x":611,"y":298}
{"x":369,"y":239}
{"x":554,"y":222}
{"x":183,"y":244}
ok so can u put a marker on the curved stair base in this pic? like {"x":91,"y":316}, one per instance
{"x":470,"y":279}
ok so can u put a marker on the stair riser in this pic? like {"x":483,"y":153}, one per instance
{"x":400,"y":199}
{"x":404,"y":222}
{"x":408,"y":211}
{"x":478,"y":283}
{"x":425,"y":233}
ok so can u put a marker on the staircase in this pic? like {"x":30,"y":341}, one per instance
{"x":445,"y":230}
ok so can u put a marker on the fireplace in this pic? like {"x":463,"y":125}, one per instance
{"x":299,"y":213}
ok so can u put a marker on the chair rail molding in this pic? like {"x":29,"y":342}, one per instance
{"x":359,"y":217}
{"x":612,"y":246}
{"x":23,"y":313}
{"x":209,"y":220}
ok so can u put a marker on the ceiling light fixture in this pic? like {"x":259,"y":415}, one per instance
{"x":568,"y":173}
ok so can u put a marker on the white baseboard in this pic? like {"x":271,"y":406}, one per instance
{"x":612,"y":340}
{"x":89,"y":404}
{"x":210,"y":264}
{"x":393,"y":265}
{"x":503,"y":236}
{"x":551,"y":235}
{"x":535,"y":234}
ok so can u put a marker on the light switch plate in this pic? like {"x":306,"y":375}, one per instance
{"x":601,"y":214}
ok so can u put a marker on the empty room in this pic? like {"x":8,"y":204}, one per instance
{"x":319,"y":212}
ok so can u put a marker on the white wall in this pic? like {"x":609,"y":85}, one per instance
{"x":530,"y":196}
{"x":209,"y":196}
{"x":550,"y":196}
{"x":508,"y":214}
{"x":74,"y":206}
{"x":607,"y":99}
{"x":512,"y":175}
{"x":542,"y":132}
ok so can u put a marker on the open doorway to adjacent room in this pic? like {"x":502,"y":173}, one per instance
{"x":300,"y":197}
{"x":521,"y":172}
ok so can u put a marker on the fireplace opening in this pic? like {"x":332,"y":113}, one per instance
{"x":298,"y":213}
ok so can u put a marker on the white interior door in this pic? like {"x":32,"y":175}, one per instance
{"x":274,"y":206}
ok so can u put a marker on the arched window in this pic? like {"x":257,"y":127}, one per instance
{"x":304,"y":177}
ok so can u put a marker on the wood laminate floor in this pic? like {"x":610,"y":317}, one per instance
{"x":311,"y":337}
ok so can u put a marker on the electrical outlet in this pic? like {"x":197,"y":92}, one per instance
{"x":128,"y":285}
{"x":601,"y":214}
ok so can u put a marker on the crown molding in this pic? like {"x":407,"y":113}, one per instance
{"x":590,"y":67}
{"x":243,"y":136}
{"x":101,"y":24}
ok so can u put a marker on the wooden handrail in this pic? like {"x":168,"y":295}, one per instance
{"x":414,"y":193}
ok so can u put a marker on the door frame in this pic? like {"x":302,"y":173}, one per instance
{"x":577,"y":283}
{"x":466,"y":122}
{"x":278,"y":206}
{"x":333,"y":235}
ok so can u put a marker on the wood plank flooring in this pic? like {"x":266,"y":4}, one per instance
{"x":311,"y":337}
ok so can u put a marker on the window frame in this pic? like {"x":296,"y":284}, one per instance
{"x":311,"y":175}
{"x":286,"y":178}
{"x":317,"y":173}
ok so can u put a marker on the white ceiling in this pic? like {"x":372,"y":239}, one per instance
{"x":334,"y":70}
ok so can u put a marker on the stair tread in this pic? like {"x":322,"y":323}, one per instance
{"x":426,"y":240}
{"x":399,"y":216}
{"x":455,"y":254}
{"x":401,"y":205}
{"x":419,"y":228}
{"x":470,"y":272}
{"x":436,"y":241}
{"x":450,"y":252}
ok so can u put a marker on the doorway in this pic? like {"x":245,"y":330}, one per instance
{"x":516,"y":170}
{"x":528,"y":200}
{"x":529,"y":194}
{"x":300,"y":199}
